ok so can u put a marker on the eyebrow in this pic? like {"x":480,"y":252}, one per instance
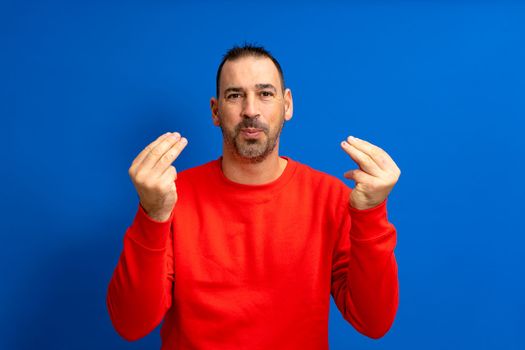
{"x":258,"y":86}
{"x":265,"y":86}
{"x":232,"y":89}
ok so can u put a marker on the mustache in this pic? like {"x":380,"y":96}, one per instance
{"x":252,"y":123}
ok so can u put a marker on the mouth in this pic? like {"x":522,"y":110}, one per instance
{"x":251,"y":132}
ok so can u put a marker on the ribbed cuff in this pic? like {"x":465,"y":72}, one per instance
{"x":148,"y":232}
{"x":369,"y":223}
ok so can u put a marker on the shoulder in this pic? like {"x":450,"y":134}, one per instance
{"x":197,"y":174}
{"x":329,"y":193}
{"x":199,"y":169}
{"x":320,"y":180}
{"x":317,"y":175}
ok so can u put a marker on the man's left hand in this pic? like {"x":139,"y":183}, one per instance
{"x":376,"y":176}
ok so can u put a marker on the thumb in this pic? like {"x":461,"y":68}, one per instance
{"x":357,"y":175}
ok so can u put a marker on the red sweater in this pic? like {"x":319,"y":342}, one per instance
{"x":253,"y":266}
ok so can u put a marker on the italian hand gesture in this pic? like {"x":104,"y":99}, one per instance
{"x":154,"y":177}
{"x":376,"y":176}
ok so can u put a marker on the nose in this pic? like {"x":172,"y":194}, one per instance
{"x":250,"y":108}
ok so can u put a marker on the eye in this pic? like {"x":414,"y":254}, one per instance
{"x":266,"y":94}
{"x":233,"y":96}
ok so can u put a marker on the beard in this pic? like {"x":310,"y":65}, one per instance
{"x":252,"y":150}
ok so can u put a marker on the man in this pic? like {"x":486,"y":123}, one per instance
{"x":244,"y":252}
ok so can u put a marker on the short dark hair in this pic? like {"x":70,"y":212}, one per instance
{"x":247,"y":50}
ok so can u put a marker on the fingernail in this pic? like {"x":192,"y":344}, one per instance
{"x":184,"y":140}
{"x":351,"y":138}
{"x":344,"y":143}
{"x":175,"y":135}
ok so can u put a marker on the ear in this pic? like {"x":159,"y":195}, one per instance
{"x":288,"y":105}
{"x":214,"y":106}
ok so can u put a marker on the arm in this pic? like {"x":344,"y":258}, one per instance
{"x":364,"y":274}
{"x":364,"y":283}
{"x":140,"y":290}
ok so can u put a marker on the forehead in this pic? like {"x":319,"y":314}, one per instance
{"x":248,"y":71}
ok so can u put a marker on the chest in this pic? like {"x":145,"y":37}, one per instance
{"x":252,"y":243}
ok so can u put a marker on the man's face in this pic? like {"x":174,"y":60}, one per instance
{"x":251,"y":108}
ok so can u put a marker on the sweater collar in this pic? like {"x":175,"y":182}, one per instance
{"x":254,"y":191}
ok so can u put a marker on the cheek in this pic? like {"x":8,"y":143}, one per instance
{"x":226,"y":116}
{"x":232,"y":108}
{"x":278,"y":110}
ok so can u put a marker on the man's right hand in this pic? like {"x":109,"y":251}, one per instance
{"x":154,"y":176}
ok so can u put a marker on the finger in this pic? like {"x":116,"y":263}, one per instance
{"x":378,"y":155}
{"x":147,"y":149}
{"x":359,"y":176}
{"x":158,"y":151}
{"x":167,"y":179}
{"x":170,"y":155}
{"x":364,"y":162}
{"x":170,"y":173}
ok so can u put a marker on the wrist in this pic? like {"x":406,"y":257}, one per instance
{"x":363,"y":206}
{"x":157,"y":215}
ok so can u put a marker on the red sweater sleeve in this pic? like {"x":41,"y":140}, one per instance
{"x":140,"y":290}
{"x":364,"y":274}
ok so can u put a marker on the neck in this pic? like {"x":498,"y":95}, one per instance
{"x":242,"y":171}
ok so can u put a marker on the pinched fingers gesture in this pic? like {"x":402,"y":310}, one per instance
{"x":154,"y":177}
{"x":376,"y":176}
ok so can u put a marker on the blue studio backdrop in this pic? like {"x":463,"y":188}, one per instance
{"x":440,"y":85}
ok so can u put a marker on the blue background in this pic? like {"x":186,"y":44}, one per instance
{"x":440,"y":85}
